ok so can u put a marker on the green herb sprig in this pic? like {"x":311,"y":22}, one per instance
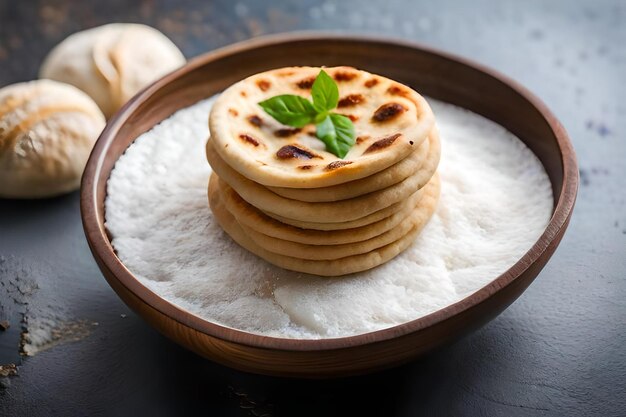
{"x":335,"y":130}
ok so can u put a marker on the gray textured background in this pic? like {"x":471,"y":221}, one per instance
{"x":559,"y":350}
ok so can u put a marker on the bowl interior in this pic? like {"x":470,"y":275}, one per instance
{"x":431,"y":73}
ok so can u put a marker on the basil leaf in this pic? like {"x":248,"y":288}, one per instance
{"x":337,"y":132}
{"x":290,"y":110}
{"x":319,"y":117}
{"x":325,"y":92}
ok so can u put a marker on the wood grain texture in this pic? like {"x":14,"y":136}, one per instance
{"x":430,"y":72}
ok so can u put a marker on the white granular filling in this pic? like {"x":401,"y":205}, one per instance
{"x":495,"y":202}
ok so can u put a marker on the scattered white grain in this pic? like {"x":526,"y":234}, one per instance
{"x":496,"y":200}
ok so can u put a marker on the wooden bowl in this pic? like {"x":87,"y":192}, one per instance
{"x":430,"y":72}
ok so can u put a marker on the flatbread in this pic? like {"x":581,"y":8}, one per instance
{"x":391,"y":122}
{"x":363,"y":221}
{"x":336,"y":267}
{"x":418,"y":216}
{"x":327,"y":212}
{"x":424,"y":160}
{"x":252,"y":217}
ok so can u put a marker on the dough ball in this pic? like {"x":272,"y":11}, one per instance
{"x":47,"y":130}
{"x":112,"y":62}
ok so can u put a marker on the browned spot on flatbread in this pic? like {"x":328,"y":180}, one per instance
{"x":264,"y":85}
{"x":361,"y":139}
{"x":336,"y":164}
{"x":286,"y":73}
{"x":388,"y":112}
{"x":382,"y":143}
{"x":344,"y":75}
{"x":371,"y":82}
{"x":306,"y":167}
{"x":306,"y":83}
{"x":255,"y":120}
{"x":286,"y":132}
{"x":352,"y":117}
{"x":396,"y":90}
{"x":295,"y":152}
{"x":351,"y":100}
{"x":249,"y":139}
{"x":243,"y":94}
{"x":233,"y":112}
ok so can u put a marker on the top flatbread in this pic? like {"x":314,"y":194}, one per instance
{"x":391,"y":121}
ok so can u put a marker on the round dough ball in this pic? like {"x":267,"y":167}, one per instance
{"x":113,"y":62}
{"x":47,"y":130}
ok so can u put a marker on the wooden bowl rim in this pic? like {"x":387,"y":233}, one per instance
{"x":103,"y":251}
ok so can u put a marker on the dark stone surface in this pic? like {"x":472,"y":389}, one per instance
{"x":559,"y":350}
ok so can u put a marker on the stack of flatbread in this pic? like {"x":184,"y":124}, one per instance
{"x":278,"y":193}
